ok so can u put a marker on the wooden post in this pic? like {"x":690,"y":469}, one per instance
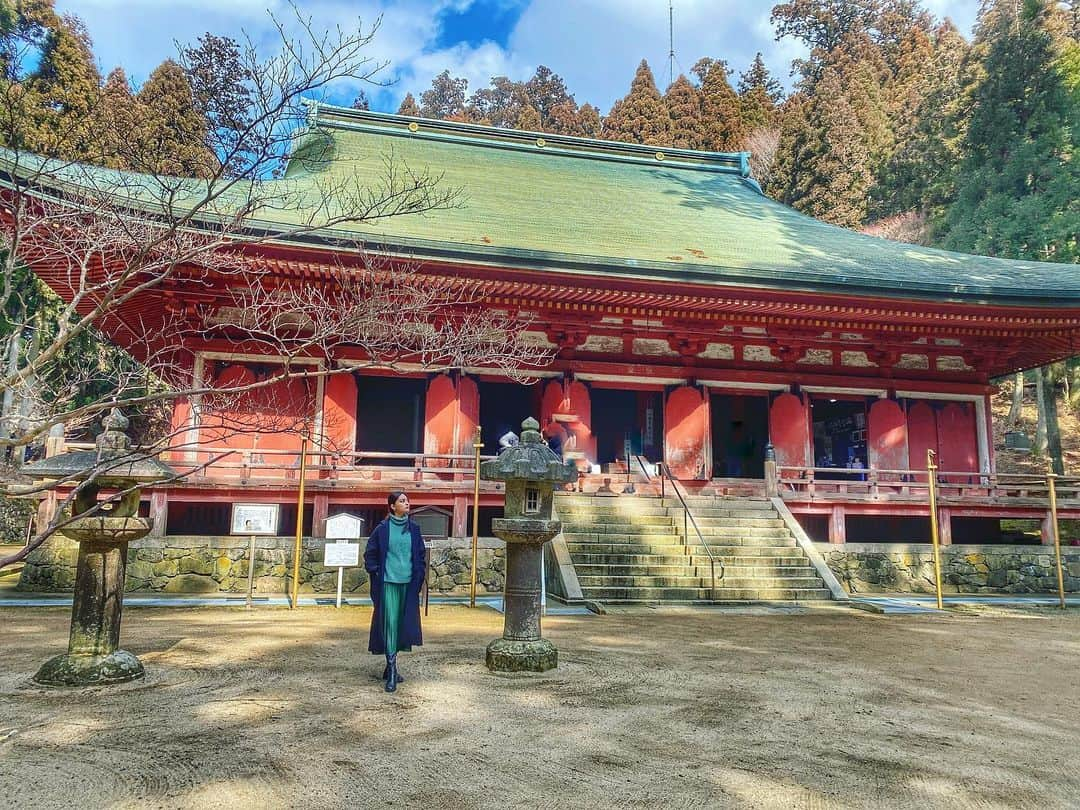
{"x":477,"y":444}
{"x":298,"y":548}
{"x":1050,"y":476}
{"x":931,"y":478}
{"x":945,"y":526}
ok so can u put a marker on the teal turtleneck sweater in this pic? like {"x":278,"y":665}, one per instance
{"x":399,"y":551}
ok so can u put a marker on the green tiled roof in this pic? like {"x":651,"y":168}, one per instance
{"x":576,"y":205}
{"x":585,"y":205}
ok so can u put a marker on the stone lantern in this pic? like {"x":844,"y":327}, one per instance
{"x":531,"y":471}
{"x":93,"y":655}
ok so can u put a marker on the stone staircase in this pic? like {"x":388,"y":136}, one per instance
{"x":631,"y":549}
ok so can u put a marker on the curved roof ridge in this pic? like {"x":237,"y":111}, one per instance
{"x":328,"y":115}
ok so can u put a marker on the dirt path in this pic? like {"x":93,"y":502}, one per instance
{"x":655,"y":708}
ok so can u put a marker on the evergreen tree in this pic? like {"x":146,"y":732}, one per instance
{"x":831,"y":139}
{"x":592,"y":125}
{"x":223,"y":89}
{"x":446,"y":98}
{"x":545,"y":91}
{"x":361,"y":101}
{"x":565,"y":119}
{"x":759,"y":93}
{"x":529,"y":120}
{"x":684,"y":106}
{"x":117,"y":118}
{"x":172,"y":133}
{"x":640,"y":116}
{"x":409,"y":106}
{"x":63,"y":93}
{"x":720,"y":108}
{"x":501,"y":104}
{"x":1016,"y":185}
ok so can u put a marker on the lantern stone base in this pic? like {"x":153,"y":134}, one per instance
{"x":89,"y":670}
{"x":505,"y":655}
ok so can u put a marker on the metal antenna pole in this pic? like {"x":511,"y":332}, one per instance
{"x":671,"y":43}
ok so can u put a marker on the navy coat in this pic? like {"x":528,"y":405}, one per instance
{"x":374,"y":563}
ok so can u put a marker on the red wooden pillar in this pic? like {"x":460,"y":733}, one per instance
{"x":789,"y":431}
{"x":552,"y":402}
{"x":837,"y":525}
{"x":887,"y":437}
{"x":159,"y":512}
{"x":339,"y":414}
{"x":460,"y":518}
{"x":440,"y":418}
{"x":579,"y":403}
{"x":686,"y":423}
{"x":468,"y":403}
{"x":319,"y":512}
{"x":945,"y":527}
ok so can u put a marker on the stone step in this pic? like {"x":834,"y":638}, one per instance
{"x":669,"y":550}
{"x":672,"y":594}
{"x":585,"y":517}
{"x":643,"y":510}
{"x":741,"y":570}
{"x":583,"y":559}
{"x":769,"y":583}
{"x":619,"y":528}
{"x":719,"y":502}
{"x":638,"y":570}
{"x":713,"y":515}
{"x":687,"y":581}
{"x":625,"y":537}
{"x":762,"y":532}
{"x":727,"y":552}
{"x":737,"y":545}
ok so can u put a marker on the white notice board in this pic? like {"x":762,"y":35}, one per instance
{"x":255,"y":518}
{"x":341,"y":555}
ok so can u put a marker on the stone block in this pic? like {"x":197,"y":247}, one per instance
{"x":166,"y":568}
{"x":196,"y":565}
{"x":190,"y":582}
{"x":140,"y":570}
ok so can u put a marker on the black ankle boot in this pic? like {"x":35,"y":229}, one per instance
{"x":391,"y":672}
{"x":386,"y":674}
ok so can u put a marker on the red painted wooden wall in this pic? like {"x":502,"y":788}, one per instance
{"x":789,"y":431}
{"x":887,"y":436}
{"x":580,"y":404}
{"x":957,"y":438}
{"x":686,"y":433}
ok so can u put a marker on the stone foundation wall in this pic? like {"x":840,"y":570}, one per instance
{"x":865,"y":568}
{"x":174,"y":565}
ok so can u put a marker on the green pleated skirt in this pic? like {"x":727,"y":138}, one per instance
{"x":393,"y":613}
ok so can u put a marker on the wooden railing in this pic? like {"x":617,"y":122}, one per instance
{"x":267,"y":464}
{"x":912,"y":486}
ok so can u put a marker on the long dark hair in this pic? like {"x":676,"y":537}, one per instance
{"x":391,"y":499}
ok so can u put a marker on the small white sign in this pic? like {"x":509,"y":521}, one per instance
{"x":255,"y":518}
{"x":345,"y":526}
{"x":341,"y":555}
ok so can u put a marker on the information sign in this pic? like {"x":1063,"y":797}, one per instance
{"x":341,"y":555}
{"x":344,"y":526}
{"x":255,"y":518}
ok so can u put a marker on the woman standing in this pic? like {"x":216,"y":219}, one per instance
{"x":394,"y":559}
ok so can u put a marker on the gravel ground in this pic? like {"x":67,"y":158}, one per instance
{"x":648,"y":708}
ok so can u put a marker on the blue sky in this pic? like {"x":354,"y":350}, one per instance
{"x":594,"y":45}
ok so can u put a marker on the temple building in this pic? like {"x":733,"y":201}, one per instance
{"x":693,"y":321}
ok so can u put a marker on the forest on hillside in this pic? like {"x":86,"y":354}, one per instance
{"x":896,"y":124}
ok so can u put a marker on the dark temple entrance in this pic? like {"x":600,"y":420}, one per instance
{"x":390,"y":417}
{"x":740,"y":431}
{"x":503,"y":407}
{"x":619,"y":417}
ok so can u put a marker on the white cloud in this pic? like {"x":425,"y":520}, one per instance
{"x":595,"y":45}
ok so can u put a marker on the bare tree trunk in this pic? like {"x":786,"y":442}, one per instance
{"x":1048,"y":436}
{"x":1017,"y":400}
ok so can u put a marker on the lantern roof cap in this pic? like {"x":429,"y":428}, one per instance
{"x":529,"y":460}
